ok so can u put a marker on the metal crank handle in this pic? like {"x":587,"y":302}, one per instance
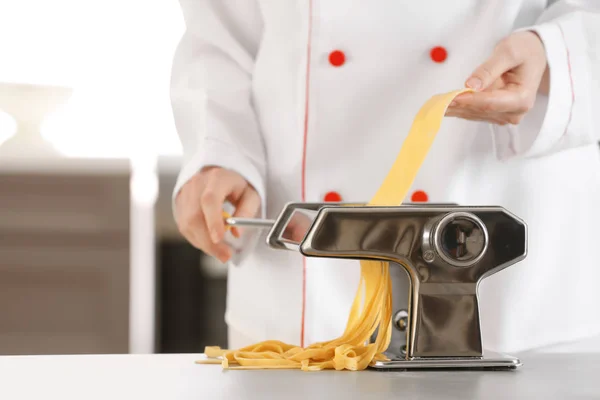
{"x":250,"y":222}
{"x":247,"y":222}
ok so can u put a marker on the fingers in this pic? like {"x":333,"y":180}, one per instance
{"x":220,"y":185}
{"x":474,"y":114}
{"x":512,"y":99}
{"x":297,"y":227}
{"x":507,"y":105}
{"x":199,"y":237}
{"x":199,"y":208}
{"x":247,"y":206}
{"x":192,"y":225}
{"x":506,"y":84}
{"x":504,"y":58}
{"x":466,"y":114}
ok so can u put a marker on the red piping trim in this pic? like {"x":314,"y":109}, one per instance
{"x":571,"y":80}
{"x":306,"y":107}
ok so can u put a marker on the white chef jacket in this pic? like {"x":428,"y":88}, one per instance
{"x":310,"y":100}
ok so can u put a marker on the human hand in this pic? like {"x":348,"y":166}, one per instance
{"x":297,"y":227}
{"x":505,"y":86}
{"x":199,"y":208}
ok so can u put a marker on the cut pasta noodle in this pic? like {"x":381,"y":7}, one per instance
{"x":371,"y":309}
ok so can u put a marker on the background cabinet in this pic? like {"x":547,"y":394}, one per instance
{"x":64,"y":262}
{"x":65,"y":265}
{"x":191,"y":287}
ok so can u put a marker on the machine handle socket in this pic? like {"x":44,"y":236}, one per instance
{"x":460,"y":239}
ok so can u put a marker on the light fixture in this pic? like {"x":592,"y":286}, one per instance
{"x":28,"y":105}
{"x":8,"y":126}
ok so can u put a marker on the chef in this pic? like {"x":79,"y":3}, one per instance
{"x":310,"y":100}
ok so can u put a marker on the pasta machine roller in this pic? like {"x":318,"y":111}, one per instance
{"x":438,"y":254}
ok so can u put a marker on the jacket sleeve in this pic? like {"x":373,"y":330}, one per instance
{"x":211,"y":85}
{"x":568,"y":117}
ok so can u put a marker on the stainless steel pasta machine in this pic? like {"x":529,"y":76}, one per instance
{"x":438,"y":254}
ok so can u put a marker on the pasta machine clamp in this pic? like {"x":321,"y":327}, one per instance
{"x":443,"y":251}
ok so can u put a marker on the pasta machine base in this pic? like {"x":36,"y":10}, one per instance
{"x":491,"y":360}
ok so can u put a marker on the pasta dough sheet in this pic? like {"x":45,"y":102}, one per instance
{"x":371,"y":310}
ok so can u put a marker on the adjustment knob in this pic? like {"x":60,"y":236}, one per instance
{"x":401,"y":320}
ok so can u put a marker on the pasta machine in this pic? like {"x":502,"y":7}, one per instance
{"x":438,"y":254}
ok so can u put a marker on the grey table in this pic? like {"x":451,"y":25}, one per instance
{"x":564,"y":372}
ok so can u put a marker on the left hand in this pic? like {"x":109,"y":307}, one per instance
{"x":507,"y":83}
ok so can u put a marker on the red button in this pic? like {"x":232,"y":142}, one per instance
{"x":332,"y":197}
{"x":438,"y":54}
{"x":419,"y":197}
{"x":337,"y":58}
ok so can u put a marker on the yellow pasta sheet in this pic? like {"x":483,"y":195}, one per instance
{"x":371,"y":309}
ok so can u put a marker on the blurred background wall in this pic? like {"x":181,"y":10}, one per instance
{"x":90,"y":257}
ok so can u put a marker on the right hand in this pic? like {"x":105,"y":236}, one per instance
{"x":199,"y":208}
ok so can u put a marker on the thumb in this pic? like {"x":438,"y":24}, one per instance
{"x":247,"y":206}
{"x":502,"y":60}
